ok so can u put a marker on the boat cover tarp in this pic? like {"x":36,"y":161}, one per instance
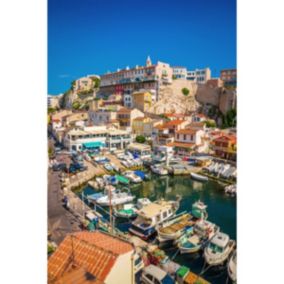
{"x":140,"y":174}
{"x":122,"y":179}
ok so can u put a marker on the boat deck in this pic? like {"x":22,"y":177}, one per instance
{"x":193,"y":278}
{"x":184,"y":222}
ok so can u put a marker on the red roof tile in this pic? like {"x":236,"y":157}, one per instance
{"x":96,"y":252}
{"x":124,"y":109}
{"x":181,"y":144}
{"x":187,"y":131}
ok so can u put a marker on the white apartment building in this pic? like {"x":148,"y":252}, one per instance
{"x":179,"y":72}
{"x":128,"y":80}
{"x":96,"y":137}
{"x":200,"y":76}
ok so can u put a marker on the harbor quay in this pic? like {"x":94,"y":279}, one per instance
{"x":82,"y":212}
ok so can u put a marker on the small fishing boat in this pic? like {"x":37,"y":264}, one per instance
{"x":174,"y":228}
{"x":231,"y":189}
{"x":232,"y":267}
{"x":219,"y":249}
{"x":115,"y":197}
{"x":114,"y":167}
{"x":199,"y":177}
{"x":122,"y":179}
{"x":100,"y":182}
{"x":199,"y":210}
{"x":196,"y":238}
{"x":95,"y":196}
{"x":127,"y":211}
{"x":159,"y":170}
{"x":108,"y":179}
{"x":142,"y":175}
{"x":132,"y":177}
{"x":152,"y":215}
{"x":108,"y":167}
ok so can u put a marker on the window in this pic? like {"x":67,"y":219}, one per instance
{"x":156,"y":281}
{"x":165,"y":214}
{"x":150,"y":277}
{"x":184,"y":137}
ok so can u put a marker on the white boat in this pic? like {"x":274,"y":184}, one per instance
{"x":197,"y":237}
{"x":141,"y":202}
{"x":93,"y":184}
{"x":231,"y":189}
{"x":100,"y":182}
{"x":152,"y":215}
{"x":175,"y":227}
{"x":115,"y":197}
{"x":199,"y":210}
{"x":159,"y":170}
{"x":198,"y":177}
{"x":132,"y":176}
{"x":219,"y":249}
{"x":127,"y":211}
{"x":232,"y":267}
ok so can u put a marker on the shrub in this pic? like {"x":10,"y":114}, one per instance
{"x":140,"y":139}
{"x":185,"y":91}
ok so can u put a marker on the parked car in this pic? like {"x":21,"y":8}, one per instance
{"x":59,"y":167}
{"x":154,"y":275}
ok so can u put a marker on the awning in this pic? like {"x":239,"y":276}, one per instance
{"x":91,"y":145}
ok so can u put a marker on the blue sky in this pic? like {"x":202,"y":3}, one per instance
{"x":96,"y":36}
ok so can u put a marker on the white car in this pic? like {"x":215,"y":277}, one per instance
{"x":154,"y":275}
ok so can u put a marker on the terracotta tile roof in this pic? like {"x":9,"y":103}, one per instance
{"x":174,"y":115}
{"x":174,"y":122}
{"x":181,"y":144}
{"x":187,"y":131}
{"x":141,"y":118}
{"x":96,"y":252}
{"x":225,"y":137}
{"x":197,"y":124}
{"x":124,"y":109}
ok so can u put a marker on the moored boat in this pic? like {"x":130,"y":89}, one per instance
{"x":174,"y":228}
{"x":152,"y":215}
{"x":197,"y":237}
{"x":122,"y":179}
{"x":219,"y":249}
{"x":117,"y":197}
{"x":159,"y":170}
{"x":132,"y":177}
{"x":232,"y":267}
{"x":199,"y":177}
{"x":127,"y":211}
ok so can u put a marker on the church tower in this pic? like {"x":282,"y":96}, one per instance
{"x":148,"y":61}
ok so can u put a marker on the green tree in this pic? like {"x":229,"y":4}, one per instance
{"x":51,"y":110}
{"x":210,"y":123}
{"x":229,"y":119}
{"x":140,"y":139}
{"x":97,"y":82}
{"x":185,"y":91}
{"x":76,"y":105}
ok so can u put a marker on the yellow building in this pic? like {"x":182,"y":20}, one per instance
{"x":142,"y":100}
{"x":142,"y":126}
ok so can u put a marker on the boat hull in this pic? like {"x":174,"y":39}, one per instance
{"x":218,"y":259}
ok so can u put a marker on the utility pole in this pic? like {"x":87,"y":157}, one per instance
{"x":110,"y":211}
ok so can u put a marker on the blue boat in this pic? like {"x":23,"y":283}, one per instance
{"x":142,"y":175}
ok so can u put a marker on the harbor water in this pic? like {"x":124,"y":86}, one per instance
{"x":221,"y":211}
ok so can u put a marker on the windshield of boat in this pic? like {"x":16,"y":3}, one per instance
{"x":215,"y":248}
{"x":167,"y":280}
